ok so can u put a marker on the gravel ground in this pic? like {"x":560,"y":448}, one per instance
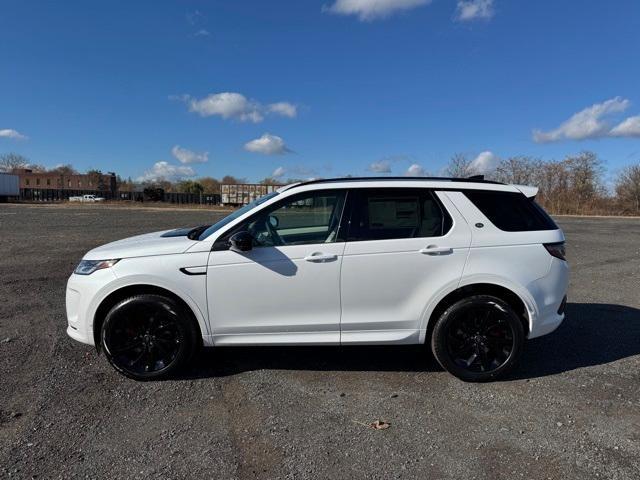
{"x":570,"y":411}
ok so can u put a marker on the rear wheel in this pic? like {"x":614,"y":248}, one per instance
{"x":148,"y":337}
{"x":477,"y":339}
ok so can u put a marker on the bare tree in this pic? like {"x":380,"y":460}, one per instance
{"x":209,"y":184}
{"x":519,"y":170}
{"x":12,"y":162}
{"x":65,"y":170}
{"x":628,"y":189}
{"x":233,"y":180}
{"x":271,"y":181}
{"x":459,"y":166}
{"x":585,"y":176}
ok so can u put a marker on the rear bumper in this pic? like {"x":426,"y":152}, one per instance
{"x":550,"y":295}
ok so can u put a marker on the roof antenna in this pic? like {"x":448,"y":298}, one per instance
{"x":476,"y":177}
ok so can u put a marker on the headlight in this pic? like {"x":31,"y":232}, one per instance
{"x":87,"y":267}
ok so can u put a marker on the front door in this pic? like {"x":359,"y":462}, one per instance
{"x":286,"y":289}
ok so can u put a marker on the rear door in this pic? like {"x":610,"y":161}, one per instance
{"x":403,"y":246}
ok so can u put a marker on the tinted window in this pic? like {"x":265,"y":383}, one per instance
{"x":385,"y":214}
{"x":512,"y":212}
{"x":311,"y":217}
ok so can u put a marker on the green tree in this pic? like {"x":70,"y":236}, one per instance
{"x":189,"y":186}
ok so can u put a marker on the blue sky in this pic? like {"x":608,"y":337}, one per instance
{"x":316,"y":88}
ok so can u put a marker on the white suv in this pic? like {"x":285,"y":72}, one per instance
{"x":468,"y":266}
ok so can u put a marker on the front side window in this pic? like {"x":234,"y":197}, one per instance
{"x":306,"y":218}
{"x":386,"y":214}
{"x":236,"y":214}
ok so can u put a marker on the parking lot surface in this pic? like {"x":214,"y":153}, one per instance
{"x":571,"y":410}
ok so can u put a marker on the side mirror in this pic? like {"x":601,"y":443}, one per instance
{"x":273,"y":221}
{"x":241,"y":242}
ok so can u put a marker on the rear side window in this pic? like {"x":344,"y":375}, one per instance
{"x":386,"y":214}
{"x":511,"y":212}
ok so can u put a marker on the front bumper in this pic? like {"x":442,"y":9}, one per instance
{"x":81,"y":303}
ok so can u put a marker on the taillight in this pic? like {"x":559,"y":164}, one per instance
{"x":556,"y":249}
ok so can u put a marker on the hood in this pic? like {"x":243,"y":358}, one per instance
{"x":166,"y":242}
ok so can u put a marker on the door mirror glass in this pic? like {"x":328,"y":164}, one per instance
{"x":273,"y":220}
{"x":241,"y":242}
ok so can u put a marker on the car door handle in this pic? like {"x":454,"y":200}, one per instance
{"x":435,"y":250}
{"x":320,"y":257}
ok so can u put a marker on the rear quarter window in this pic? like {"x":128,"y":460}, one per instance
{"x":510,"y":211}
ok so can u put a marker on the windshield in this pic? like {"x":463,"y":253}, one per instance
{"x":238,"y":213}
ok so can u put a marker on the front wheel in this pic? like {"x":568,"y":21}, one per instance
{"x":147,"y":337}
{"x":477,"y":339}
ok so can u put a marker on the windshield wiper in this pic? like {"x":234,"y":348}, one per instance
{"x":195,"y":233}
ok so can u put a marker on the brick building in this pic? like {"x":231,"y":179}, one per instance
{"x":30,"y":179}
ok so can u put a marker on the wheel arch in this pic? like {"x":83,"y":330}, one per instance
{"x":503,"y":292}
{"x":139,"y":289}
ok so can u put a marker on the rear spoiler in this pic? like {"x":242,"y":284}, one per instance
{"x":529,"y":192}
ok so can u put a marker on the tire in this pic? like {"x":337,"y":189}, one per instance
{"x":478,"y":339}
{"x":148,"y":337}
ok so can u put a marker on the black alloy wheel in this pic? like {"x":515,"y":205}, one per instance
{"x":479,"y":338}
{"x":147,"y":337}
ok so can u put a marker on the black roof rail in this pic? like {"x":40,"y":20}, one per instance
{"x":472,"y":179}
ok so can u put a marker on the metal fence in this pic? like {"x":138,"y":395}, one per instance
{"x":56,"y":195}
{"x":230,"y":194}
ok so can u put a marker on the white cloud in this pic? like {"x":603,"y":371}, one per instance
{"x":367,"y":10}
{"x":285,"y":109}
{"x":233,"y":105}
{"x":267,"y":144}
{"x":166,"y":171}
{"x":194,"y":17}
{"x":13,"y":134}
{"x":203,"y":32}
{"x":484,"y":163}
{"x":416,"y":170}
{"x":278,"y":172}
{"x":184,"y":155}
{"x":588,"y":123}
{"x":628,"y":128}
{"x":227,"y":105}
{"x":381,"y":166}
{"x":469,"y":10}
